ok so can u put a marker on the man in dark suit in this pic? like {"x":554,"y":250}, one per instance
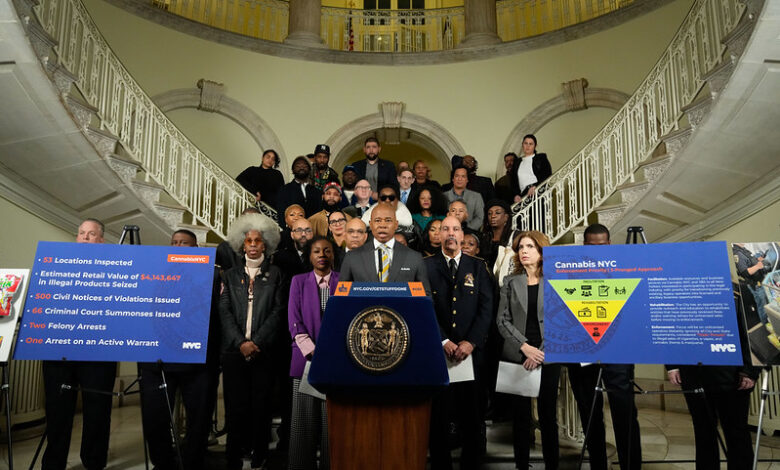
{"x":299,"y":191}
{"x":617,"y":379}
{"x":197,"y":383}
{"x":382,"y":259}
{"x":61,"y":383}
{"x":378,"y":172}
{"x":463,"y":300}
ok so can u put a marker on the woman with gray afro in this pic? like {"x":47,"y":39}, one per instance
{"x":250,"y":309}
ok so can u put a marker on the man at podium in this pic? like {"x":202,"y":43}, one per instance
{"x":463,"y":300}
{"x":382,"y":259}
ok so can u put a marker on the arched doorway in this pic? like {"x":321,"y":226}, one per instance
{"x":403,"y":136}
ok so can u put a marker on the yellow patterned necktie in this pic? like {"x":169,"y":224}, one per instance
{"x":384,"y":268}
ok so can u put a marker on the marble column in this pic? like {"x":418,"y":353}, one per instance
{"x":480,"y":19}
{"x":304,"y":28}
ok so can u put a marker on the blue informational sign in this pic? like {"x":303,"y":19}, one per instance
{"x":94,"y":302}
{"x":640,"y":304}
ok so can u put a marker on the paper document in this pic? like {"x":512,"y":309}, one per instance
{"x":462,"y":371}
{"x":306,"y":387}
{"x":514,"y":379}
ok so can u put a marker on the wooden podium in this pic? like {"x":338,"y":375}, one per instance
{"x":378,"y":419}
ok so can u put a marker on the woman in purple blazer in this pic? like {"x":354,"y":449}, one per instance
{"x":309,"y":293}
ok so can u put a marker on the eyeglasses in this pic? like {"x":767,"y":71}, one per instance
{"x":499,"y":212}
{"x":353,"y":231}
{"x":387,"y":197}
{"x":302,"y":230}
{"x":362,"y":187}
{"x":337,"y":222}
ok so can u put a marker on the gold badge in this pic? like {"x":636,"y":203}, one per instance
{"x":469,"y":280}
{"x":378,"y":339}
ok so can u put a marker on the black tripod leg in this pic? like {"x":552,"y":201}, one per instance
{"x":175,"y":432}
{"x":38,"y":450}
{"x":597,"y":389}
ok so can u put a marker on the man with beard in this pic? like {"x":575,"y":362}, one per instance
{"x":480,"y":184}
{"x":299,"y":191}
{"x":331,"y":202}
{"x":321,"y":173}
{"x":504,"y":184}
{"x":349,"y":177}
{"x":378,"y":172}
{"x":463,"y":301}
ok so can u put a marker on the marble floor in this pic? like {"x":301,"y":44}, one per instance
{"x":667,"y":441}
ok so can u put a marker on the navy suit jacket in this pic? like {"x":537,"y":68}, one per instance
{"x":359,"y":265}
{"x":464,"y":306}
{"x":386,"y":172}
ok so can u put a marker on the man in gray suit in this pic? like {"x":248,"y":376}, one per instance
{"x":472,"y":199}
{"x":382,"y":259}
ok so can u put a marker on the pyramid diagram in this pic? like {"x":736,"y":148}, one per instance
{"x":595,"y":303}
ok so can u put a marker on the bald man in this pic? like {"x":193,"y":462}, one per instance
{"x":62,"y":381}
{"x":357,"y":233}
{"x":382,"y":259}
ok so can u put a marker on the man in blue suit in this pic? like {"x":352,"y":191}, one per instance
{"x":463,"y":300}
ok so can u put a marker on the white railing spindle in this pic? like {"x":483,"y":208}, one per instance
{"x":126,"y":111}
{"x":637,"y":129}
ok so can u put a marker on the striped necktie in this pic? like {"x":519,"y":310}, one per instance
{"x":384,"y":262}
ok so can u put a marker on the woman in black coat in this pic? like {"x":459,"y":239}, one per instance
{"x":529,"y":171}
{"x":523,"y":183}
{"x":250,"y":309}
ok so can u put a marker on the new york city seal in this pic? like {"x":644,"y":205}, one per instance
{"x":378,"y":339}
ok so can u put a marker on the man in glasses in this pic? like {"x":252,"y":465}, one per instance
{"x":361,"y":199}
{"x":331,"y":202}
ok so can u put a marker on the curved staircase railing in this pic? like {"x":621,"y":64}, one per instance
{"x":653,"y":112}
{"x":167,"y":156}
{"x":562,"y":202}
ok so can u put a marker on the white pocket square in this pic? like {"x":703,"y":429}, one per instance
{"x":406,"y":269}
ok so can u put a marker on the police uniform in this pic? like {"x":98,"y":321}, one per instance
{"x":464,"y":304}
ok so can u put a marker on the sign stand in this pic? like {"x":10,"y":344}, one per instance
{"x":7,"y":393}
{"x":69,"y":388}
{"x":639,"y":391}
{"x":764,"y":394}
{"x":163,"y":387}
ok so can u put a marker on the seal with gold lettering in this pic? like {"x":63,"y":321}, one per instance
{"x":378,"y":339}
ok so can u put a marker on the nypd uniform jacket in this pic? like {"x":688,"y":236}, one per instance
{"x":463,"y":305}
